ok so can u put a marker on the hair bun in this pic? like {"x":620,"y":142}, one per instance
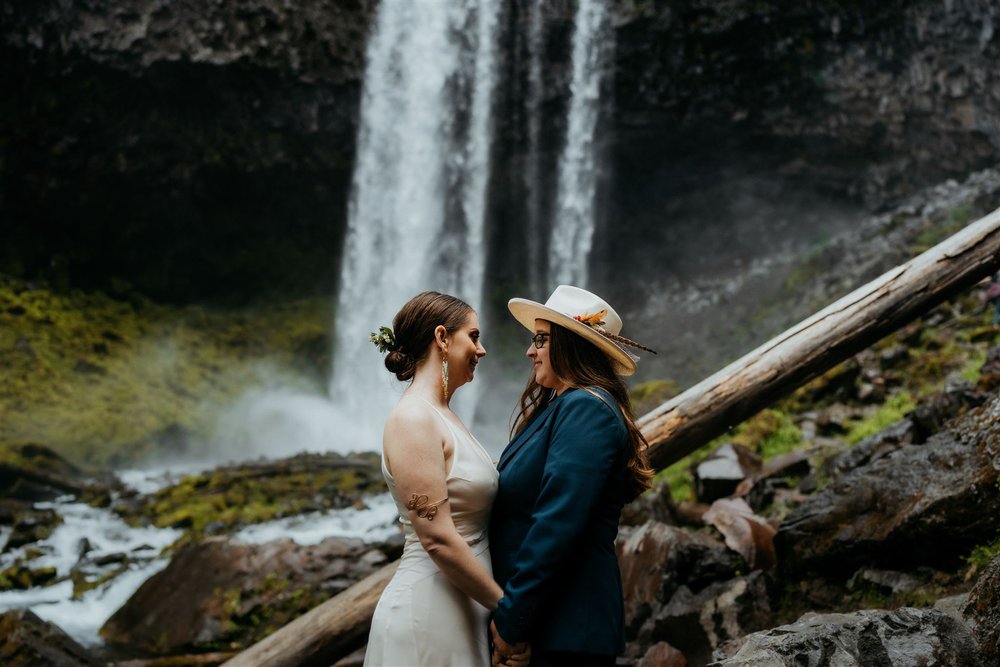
{"x":402,"y":364}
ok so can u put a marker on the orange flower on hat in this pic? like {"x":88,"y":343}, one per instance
{"x":593,"y":320}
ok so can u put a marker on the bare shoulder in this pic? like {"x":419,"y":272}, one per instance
{"x":412,"y":423}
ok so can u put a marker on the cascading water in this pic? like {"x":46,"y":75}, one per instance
{"x":573,"y":231}
{"x":532,"y":167}
{"x":418,"y":200}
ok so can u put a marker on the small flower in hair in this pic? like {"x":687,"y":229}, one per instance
{"x":592,"y":320}
{"x":384,"y":340}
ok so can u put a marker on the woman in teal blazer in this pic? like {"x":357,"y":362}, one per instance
{"x":575,"y":459}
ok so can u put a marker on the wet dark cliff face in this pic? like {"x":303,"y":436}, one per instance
{"x":204,"y":150}
{"x":194,"y":149}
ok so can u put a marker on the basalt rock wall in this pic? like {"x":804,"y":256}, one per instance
{"x":202,"y":150}
{"x":192,"y":149}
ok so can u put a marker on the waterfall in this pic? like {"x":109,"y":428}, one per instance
{"x":415,"y":219}
{"x":573,"y":231}
{"x":532,"y":168}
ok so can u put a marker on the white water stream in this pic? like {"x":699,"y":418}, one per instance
{"x":573,"y":233}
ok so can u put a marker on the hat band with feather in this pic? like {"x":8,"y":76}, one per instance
{"x":585,"y":314}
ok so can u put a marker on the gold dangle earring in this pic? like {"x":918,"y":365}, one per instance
{"x":444,"y":374}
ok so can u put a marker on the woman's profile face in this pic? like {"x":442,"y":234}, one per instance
{"x":544,"y":375}
{"x":464,"y":351}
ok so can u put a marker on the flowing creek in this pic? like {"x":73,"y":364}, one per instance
{"x":96,"y":543}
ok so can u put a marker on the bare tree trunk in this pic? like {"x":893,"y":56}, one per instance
{"x":326,"y":633}
{"x":740,"y":390}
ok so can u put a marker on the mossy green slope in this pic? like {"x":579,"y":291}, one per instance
{"x":97,"y":378}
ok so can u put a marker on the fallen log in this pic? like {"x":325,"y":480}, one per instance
{"x":710,"y":408}
{"x":197,"y":660}
{"x":740,"y":390}
{"x":324,"y":634}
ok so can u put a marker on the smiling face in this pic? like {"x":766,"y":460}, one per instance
{"x":544,"y":374}
{"x":464,"y":352}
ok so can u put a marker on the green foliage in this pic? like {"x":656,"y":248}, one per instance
{"x":770,"y":433}
{"x":894,"y":409}
{"x":983,"y":554}
{"x":678,"y":477}
{"x":973,"y":366}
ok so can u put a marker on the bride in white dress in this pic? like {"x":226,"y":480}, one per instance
{"x":435,"y":610}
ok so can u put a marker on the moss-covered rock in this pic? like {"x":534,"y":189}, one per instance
{"x":22,"y":577}
{"x":32,"y":525}
{"x":218,"y":595}
{"x":229,"y":497}
{"x":28,"y":641}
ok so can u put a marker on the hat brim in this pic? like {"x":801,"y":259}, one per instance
{"x":526,"y":312}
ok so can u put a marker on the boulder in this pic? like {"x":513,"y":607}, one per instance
{"x":918,"y":505}
{"x":33,"y":472}
{"x":662,"y":654}
{"x":937,"y":410}
{"x":657,"y":559}
{"x":722,"y":471}
{"x":982,"y":610}
{"x":697,"y":623}
{"x":746,"y":533}
{"x":870,"y":449}
{"x":28,"y":641}
{"x":865,"y":638}
{"x":32,"y":525}
{"x":655,"y":505}
{"x":219,"y":594}
{"x":989,"y":374}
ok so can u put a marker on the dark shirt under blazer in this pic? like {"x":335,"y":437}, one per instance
{"x":563,"y":482}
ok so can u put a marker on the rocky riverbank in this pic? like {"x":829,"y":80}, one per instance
{"x":852,"y":523}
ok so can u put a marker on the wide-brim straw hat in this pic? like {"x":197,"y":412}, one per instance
{"x":585,"y":314}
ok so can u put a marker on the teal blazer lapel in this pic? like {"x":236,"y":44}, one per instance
{"x":518,"y":442}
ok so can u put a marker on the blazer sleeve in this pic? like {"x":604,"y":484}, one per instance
{"x":587,"y":439}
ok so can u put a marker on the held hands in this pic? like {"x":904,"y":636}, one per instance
{"x":512,"y":655}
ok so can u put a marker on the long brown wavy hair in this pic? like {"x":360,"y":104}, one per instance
{"x":580,"y":363}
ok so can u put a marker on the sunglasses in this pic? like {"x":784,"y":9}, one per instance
{"x":538,"y":340}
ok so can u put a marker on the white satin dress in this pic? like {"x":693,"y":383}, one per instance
{"x":421,"y":619}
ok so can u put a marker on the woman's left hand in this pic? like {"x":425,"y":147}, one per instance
{"x":513,"y":655}
{"x":520,"y":659}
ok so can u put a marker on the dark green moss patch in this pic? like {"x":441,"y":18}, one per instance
{"x":227,"y":498}
{"x":22,"y":577}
